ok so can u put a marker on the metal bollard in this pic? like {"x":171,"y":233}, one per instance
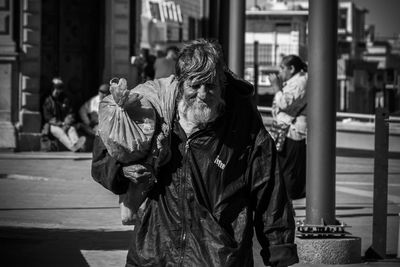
{"x":398,"y":241}
{"x":379,"y":220}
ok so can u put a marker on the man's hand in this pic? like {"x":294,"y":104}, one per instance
{"x":55,"y":122}
{"x":275,"y":82}
{"x":69,"y":120}
{"x":138,"y":173}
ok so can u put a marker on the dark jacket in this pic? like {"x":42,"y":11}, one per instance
{"x":220,"y":184}
{"x":55,"y":111}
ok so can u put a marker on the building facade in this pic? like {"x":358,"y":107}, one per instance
{"x":367,"y":69}
{"x":85,"y":43}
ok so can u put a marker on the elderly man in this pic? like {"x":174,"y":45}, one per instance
{"x":222,"y":180}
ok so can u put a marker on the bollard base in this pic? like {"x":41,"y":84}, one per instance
{"x":344,"y":250}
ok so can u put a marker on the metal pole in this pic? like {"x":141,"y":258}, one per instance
{"x":214,"y":20}
{"x":275,"y":47}
{"x":237,"y":16}
{"x":379,"y":220}
{"x":255,"y":59}
{"x":321,"y":140}
{"x":398,"y":240}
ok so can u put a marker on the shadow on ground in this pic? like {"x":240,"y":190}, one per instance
{"x":56,"y":247}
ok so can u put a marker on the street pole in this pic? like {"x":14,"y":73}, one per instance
{"x":255,"y":59}
{"x":237,"y":16}
{"x":379,"y":217}
{"x":321,"y":139}
{"x":322,"y":239}
{"x":213,"y":25}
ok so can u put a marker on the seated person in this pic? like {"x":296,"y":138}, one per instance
{"x":89,"y":111}
{"x":59,"y":118}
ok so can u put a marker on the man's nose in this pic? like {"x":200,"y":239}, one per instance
{"x":202,"y":92}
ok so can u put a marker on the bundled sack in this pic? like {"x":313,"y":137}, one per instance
{"x":134,"y":125}
{"x":126,"y":123}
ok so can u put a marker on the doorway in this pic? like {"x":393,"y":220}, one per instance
{"x":72,"y":47}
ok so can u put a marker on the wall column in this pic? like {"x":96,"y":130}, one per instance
{"x":29,"y":127}
{"x":117,"y":61}
{"x":7,"y":73}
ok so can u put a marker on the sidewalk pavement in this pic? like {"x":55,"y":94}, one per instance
{"x":53,"y":214}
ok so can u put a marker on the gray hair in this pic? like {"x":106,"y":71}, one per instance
{"x":200,"y":61}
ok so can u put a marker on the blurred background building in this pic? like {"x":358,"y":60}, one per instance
{"x":368,"y":67}
{"x":87,"y":42}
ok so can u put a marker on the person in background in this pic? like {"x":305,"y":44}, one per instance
{"x":165,"y":66}
{"x":89,"y":111}
{"x":148,"y":64}
{"x":289,"y":126}
{"x":222,"y":180}
{"x":59,"y":118}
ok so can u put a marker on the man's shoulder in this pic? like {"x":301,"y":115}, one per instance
{"x":241,"y":87}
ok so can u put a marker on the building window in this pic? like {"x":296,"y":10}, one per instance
{"x":265,"y":54}
{"x":342,"y":22}
{"x":170,"y":11}
{"x":155,"y":10}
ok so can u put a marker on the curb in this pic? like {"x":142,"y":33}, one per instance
{"x":46,"y":155}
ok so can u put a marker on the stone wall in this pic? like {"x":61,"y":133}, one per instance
{"x":7,"y":75}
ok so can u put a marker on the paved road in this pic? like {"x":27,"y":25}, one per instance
{"x":53,"y":214}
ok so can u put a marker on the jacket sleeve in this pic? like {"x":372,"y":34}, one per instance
{"x":84,"y":111}
{"x":273,"y":211}
{"x":48,"y":111}
{"x":106,"y":170}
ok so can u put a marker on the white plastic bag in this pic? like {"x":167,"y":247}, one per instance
{"x":127,"y":127}
{"x":126,"y":123}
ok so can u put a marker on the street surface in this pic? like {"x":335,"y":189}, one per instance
{"x":53,"y":214}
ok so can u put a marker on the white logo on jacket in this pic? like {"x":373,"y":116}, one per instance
{"x":219,"y":163}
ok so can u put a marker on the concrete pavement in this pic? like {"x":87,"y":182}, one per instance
{"x":53,"y":214}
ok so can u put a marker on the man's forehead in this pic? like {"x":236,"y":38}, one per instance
{"x":199,"y":81}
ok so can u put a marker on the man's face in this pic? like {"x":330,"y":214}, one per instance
{"x":285,"y":72}
{"x":201,"y":101}
{"x":57,"y":92}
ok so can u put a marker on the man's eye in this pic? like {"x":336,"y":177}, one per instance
{"x":196,"y":86}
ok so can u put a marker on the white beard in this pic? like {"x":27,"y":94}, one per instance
{"x":197,"y":112}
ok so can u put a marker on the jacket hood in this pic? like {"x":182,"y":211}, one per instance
{"x":243,"y":87}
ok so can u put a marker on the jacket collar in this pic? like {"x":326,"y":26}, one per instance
{"x":295,"y":78}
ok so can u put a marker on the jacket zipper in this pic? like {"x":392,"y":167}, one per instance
{"x":183,"y":198}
